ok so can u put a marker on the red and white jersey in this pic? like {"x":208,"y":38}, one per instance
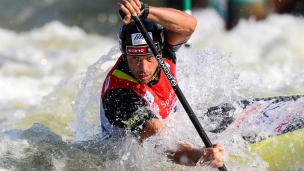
{"x":159,"y":96}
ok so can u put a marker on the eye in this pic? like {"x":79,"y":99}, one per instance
{"x":150,"y":58}
{"x":135,"y":59}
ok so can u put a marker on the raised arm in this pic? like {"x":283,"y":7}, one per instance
{"x":179,"y":25}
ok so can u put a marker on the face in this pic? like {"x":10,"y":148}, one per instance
{"x":142,"y":67}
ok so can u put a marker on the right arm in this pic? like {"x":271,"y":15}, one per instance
{"x":185,"y":151}
{"x":179,"y":25}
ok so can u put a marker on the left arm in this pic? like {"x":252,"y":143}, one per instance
{"x":189,"y":155}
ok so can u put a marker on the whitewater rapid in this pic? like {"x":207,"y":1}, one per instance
{"x":52,"y":76}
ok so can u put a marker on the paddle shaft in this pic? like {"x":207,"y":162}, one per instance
{"x":187,"y":9}
{"x":187,"y":6}
{"x":175,"y":86}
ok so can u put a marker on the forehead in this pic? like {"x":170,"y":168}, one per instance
{"x":140,"y":56}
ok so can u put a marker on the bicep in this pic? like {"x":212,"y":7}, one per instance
{"x":175,"y":38}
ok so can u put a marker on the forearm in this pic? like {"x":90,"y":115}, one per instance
{"x":173,"y":20}
{"x":179,"y":25}
{"x":185,"y":155}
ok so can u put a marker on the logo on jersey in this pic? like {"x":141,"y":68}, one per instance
{"x":149,"y":97}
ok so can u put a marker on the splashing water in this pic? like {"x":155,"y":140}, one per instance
{"x":53,"y":75}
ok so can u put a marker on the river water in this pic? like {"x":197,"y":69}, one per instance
{"x":51,"y":76}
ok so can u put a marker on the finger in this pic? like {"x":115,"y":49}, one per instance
{"x":217,"y":165}
{"x":217,"y":159}
{"x":127,"y":18}
{"x":131,"y":6}
{"x":217,"y":162}
{"x":218,"y":146}
{"x":123,"y":9}
{"x":138,"y":3}
{"x":214,"y":156}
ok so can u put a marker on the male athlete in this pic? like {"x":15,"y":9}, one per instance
{"x":136,"y":94}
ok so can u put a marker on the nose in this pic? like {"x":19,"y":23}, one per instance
{"x":143,"y":65}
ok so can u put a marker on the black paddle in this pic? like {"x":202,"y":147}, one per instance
{"x":174,"y":85}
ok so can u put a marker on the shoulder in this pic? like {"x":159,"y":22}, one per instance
{"x":123,"y":97}
{"x":122,"y":103}
{"x":125,"y":109}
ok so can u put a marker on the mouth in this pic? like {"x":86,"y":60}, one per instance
{"x":144,"y":77}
